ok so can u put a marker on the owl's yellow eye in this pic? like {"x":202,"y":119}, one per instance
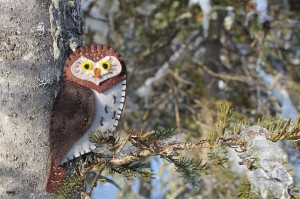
{"x":86,"y":66}
{"x":105,"y":65}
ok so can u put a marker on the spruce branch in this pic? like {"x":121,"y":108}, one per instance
{"x":146,"y":144}
{"x":135,"y":169}
{"x":191,"y":170}
{"x":160,"y":134}
{"x":223,"y":119}
{"x":241,"y":124}
{"x":280,"y":129}
{"x":69,"y":185}
{"x":131,"y":165}
{"x":100,"y":138}
{"x":162,"y":149}
{"x":218,"y":155}
{"x":94,"y":183}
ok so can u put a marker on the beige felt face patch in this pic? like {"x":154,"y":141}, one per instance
{"x":96,"y":72}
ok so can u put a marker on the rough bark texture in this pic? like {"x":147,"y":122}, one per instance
{"x":29,"y":78}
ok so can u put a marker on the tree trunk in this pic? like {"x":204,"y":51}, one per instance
{"x":29,"y":77}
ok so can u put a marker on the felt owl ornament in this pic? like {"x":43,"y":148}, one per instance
{"x":91,"y":99}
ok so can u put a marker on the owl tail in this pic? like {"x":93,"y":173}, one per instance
{"x":56,"y":176}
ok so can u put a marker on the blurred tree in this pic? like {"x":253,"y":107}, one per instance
{"x":178,"y":75}
{"x":184,"y":60}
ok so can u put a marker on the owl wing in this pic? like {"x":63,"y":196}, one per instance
{"x":72,"y":114}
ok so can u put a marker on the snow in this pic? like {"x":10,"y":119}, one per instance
{"x":261,"y":7}
{"x":206,"y":8}
{"x":270,"y":178}
{"x":288,"y":110}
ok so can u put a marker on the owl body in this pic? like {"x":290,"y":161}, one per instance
{"x":91,"y":99}
{"x":108,"y":109}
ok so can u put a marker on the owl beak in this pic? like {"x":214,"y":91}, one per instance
{"x":97,"y":72}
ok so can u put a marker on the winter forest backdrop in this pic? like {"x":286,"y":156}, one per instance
{"x":186,"y":58}
{"x":188,"y":62}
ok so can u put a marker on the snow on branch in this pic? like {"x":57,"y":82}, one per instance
{"x":206,"y":8}
{"x":269,"y":178}
{"x":258,"y":7}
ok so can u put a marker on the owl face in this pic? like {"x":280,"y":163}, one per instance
{"x":96,"y":72}
{"x":96,"y":67}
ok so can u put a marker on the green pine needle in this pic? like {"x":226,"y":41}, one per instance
{"x":161,"y":134}
{"x":224,"y":118}
{"x":135,"y":170}
{"x":100,"y":138}
{"x":218,"y":155}
{"x":191,"y":170}
{"x":69,"y":186}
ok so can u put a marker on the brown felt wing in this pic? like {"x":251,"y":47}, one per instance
{"x":72,"y":114}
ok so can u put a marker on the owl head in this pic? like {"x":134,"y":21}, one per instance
{"x":96,"y":66}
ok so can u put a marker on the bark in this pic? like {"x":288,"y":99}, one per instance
{"x":30,"y":77}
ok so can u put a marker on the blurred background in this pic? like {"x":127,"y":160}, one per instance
{"x":184,"y":58}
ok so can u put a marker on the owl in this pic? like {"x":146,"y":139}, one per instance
{"x":91,"y":99}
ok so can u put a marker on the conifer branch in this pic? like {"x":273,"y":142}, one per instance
{"x":70,"y":185}
{"x":154,"y":143}
{"x":160,"y":150}
{"x":94,"y":183}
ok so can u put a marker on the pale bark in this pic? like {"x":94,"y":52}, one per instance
{"x":29,"y":79}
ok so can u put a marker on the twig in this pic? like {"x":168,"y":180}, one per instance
{"x":163,"y":149}
{"x":178,"y":78}
{"x":226,"y":76}
{"x":94,"y":183}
